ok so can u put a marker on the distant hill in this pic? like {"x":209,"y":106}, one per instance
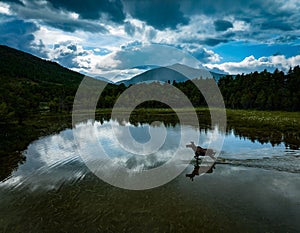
{"x":177,"y":72}
{"x":100,"y":78}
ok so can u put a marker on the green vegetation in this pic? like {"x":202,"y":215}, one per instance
{"x":263,"y":91}
{"x":266,"y":126}
{"x":283,"y":121}
{"x":29,"y":84}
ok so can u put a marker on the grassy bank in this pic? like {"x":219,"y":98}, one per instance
{"x":282,"y":121}
{"x":266,"y":126}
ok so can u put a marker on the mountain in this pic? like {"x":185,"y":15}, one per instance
{"x":176,"y":72}
{"x":100,"y":78}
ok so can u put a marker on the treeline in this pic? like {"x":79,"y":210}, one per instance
{"x":31,"y":85}
{"x":164,"y":93}
{"x":263,"y":91}
{"x":257,"y":91}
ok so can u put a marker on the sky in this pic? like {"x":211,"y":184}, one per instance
{"x":115,"y":38}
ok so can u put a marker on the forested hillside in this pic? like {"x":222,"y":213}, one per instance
{"x":263,"y":91}
{"x":29,"y":84}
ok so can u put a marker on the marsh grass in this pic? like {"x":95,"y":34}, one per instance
{"x":283,"y":121}
{"x":266,"y":126}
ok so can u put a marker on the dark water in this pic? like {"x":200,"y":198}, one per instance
{"x":254,"y":187}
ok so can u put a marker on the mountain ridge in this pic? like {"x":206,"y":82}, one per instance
{"x":173,"y":73}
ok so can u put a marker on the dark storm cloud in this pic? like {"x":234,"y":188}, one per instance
{"x":262,"y":16}
{"x":213,"y":41}
{"x":269,"y":14}
{"x":91,"y":9}
{"x":55,"y":17}
{"x":286,"y":39}
{"x":13,"y":1}
{"x":208,"y":41}
{"x":157,"y":13}
{"x":19,"y":34}
{"x":70,"y":25}
{"x":276,"y":25}
{"x":222,"y":25}
{"x":225,"y":7}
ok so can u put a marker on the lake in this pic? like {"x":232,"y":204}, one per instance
{"x":254,"y":187}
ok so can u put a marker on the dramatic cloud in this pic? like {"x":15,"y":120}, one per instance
{"x":134,"y":58}
{"x":265,"y":19}
{"x":99,"y":37}
{"x":71,"y":55}
{"x":202,"y":54}
{"x":58,"y":18}
{"x":159,"y":55}
{"x":138,"y":29}
{"x":251,"y":64}
{"x":4,"y":9}
{"x":205,"y":56}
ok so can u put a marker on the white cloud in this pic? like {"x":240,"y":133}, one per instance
{"x":51,"y":36}
{"x":213,"y":57}
{"x":74,"y":15}
{"x":202,"y":54}
{"x":239,"y":25}
{"x":145,"y":54}
{"x":4,"y":9}
{"x":123,"y":63}
{"x":251,"y":64}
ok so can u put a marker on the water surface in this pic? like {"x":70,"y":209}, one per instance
{"x":255,"y":187}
